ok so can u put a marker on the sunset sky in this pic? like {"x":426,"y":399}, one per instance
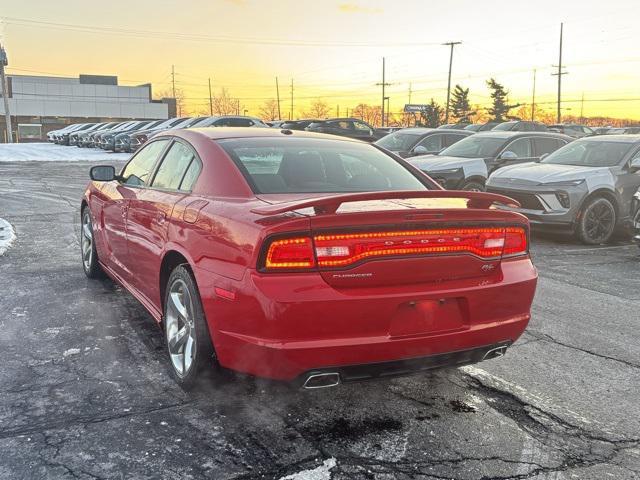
{"x":333,"y":49}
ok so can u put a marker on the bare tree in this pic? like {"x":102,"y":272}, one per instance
{"x":368,"y":113}
{"x":319,"y":109}
{"x":181,"y":105}
{"x":269,"y":110}
{"x":224,"y":103}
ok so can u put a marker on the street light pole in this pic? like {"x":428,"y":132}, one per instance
{"x":5,"y":94}
{"x":451,"y":44}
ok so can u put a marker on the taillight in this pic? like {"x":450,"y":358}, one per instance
{"x":344,"y":250}
{"x":515,"y":242}
{"x":290,"y":254}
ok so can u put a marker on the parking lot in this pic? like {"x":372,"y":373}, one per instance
{"x":86,"y":391}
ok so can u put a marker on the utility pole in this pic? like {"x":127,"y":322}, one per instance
{"x":533,"y":98}
{"x":560,"y":74}
{"x":410,"y":92}
{"x":338,"y":111}
{"x":278,"y":97}
{"x":383,"y":84}
{"x":582,"y":108}
{"x":451,"y":44}
{"x":5,"y":94}
{"x":173,"y":80}
{"x":291,"y":114}
{"x":210,"y":99}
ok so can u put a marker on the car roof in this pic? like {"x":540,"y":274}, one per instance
{"x":623,"y":138}
{"x":510,"y":134}
{"x":220,"y":133}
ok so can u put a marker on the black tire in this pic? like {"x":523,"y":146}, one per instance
{"x":195,"y":353}
{"x":473,"y":186}
{"x":90,"y":263}
{"x":597,"y":221}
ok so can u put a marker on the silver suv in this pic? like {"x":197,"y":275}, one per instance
{"x":585,"y":187}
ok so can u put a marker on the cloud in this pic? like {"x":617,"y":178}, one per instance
{"x":355,"y":8}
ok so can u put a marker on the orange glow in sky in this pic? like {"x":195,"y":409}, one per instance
{"x":332,"y":49}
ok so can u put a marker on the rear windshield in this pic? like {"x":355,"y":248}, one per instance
{"x":506,"y":126}
{"x":398,"y":141}
{"x":301,"y":165}
{"x":475,"y":146}
{"x":589,"y":153}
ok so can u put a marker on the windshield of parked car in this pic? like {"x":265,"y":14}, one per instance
{"x":475,"y":146}
{"x":590,"y":154}
{"x":300,"y":165}
{"x":505,"y":126}
{"x":399,"y":141}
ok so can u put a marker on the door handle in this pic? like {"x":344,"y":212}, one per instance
{"x":161,"y":218}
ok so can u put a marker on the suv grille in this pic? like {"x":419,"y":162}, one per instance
{"x":528,"y":201}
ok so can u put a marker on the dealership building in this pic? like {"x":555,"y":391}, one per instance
{"x":39,"y":104}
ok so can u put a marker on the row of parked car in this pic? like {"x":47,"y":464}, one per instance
{"x":582,"y":182}
{"x":129,"y":136}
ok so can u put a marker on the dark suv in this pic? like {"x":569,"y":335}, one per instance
{"x":347,"y":127}
{"x":410,"y":142}
{"x":572,"y":129}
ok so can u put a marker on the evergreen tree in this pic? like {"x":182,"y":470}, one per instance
{"x":499,"y":95}
{"x":460,"y":106}
{"x":432,"y":115}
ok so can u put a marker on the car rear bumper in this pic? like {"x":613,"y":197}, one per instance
{"x":283,"y":328}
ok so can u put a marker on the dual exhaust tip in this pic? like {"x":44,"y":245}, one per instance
{"x":332,"y":379}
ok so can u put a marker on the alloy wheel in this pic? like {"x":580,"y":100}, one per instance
{"x":87,"y":240}
{"x":599,"y":221}
{"x":180,"y":327}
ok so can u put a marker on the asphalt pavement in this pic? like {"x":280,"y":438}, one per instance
{"x":86,"y":392}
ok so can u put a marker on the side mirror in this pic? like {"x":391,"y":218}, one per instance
{"x":102,"y":173}
{"x":634,"y":166}
{"x":508,"y":155}
{"x":420,"y":150}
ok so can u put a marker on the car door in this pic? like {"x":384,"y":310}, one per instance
{"x":546,"y":145}
{"x":117,"y":197}
{"x":627,"y":183}
{"x":149,"y":215}
{"x":523,"y":150}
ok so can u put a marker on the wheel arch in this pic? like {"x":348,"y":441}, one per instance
{"x":170,"y":260}
{"x":601,"y":193}
{"x":473,"y":178}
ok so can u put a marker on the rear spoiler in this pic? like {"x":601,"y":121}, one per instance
{"x":330,"y":204}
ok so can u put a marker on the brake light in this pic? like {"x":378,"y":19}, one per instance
{"x":345,"y":250}
{"x":290,"y":253}
{"x":515,"y":242}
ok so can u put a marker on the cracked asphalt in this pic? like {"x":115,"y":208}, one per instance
{"x":86,"y":392}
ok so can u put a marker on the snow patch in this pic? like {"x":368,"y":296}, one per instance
{"x":71,"y":351}
{"x":323,"y":472}
{"x":49,"y":152}
{"x":7,"y":235}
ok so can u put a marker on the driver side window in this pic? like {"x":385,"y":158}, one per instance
{"x":521,"y":147}
{"x":138,"y":171}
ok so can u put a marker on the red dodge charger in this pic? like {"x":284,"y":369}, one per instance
{"x":306,"y":257}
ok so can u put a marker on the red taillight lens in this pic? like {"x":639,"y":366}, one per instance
{"x":515,"y":242}
{"x":345,"y":250}
{"x":290,"y":254}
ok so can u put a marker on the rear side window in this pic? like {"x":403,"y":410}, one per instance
{"x":451,"y":138}
{"x":173,"y":167}
{"x":521,"y":147}
{"x":546,"y":145}
{"x":433,"y":143}
{"x":300,"y":165}
{"x":138,"y":170}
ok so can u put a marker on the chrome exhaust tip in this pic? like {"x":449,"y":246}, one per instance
{"x":321,"y":380}
{"x":495,"y":352}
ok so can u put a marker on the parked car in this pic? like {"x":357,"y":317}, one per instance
{"x":100,"y":140}
{"x":230,"y":121}
{"x":410,"y":142}
{"x":83,"y":138}
{"x":62,"y":138}
{"x":585,"y":187}
{"x":275,"y":123}
{"x":635,"y":209}
{"x":108,"y":140}
{"x":206,"y":245}
{"x":298,"y":124}
{"x":466,"y":165}
{"x":74,"y":136}
{"x":455,"y":126}
{"x":520,"y":126}
{"x":602,"y":130}
{"x":93,"y":140}
{"x":347,"y":127}
{"x":52,"y":135}
{"x":631,"y":130}
{"x":571,"y":129}
{"x":130,"y":142}
{"x":481,"y":127}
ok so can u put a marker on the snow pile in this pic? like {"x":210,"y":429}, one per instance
{"x":7,"y":235}
{"x":49,"y":152}
{"x":323,"y":472}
